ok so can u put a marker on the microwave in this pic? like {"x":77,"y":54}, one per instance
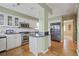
{"x":24,"y":25}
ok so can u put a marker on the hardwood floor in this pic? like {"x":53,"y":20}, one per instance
{"x":68,"y":48}
{"x":58,"y":49}
{"x":19,"y":51}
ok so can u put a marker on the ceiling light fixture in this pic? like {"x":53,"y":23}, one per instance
{"x":18,"y":4}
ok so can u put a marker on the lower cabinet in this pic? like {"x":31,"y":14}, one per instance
{"x":2,"y":44}
{"x":13,"y":41}
{"x":38,"y":44}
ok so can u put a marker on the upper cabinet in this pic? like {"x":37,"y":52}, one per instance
{"x":9,"y":20}
{"x":16,"y":21}
{"x":1,"y":19}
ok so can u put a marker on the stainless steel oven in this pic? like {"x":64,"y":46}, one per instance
{"x":25,"y":38}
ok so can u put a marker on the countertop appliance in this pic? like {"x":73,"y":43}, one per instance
{"x":9,"y":31}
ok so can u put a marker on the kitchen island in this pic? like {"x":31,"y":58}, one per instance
{"x":38,"y":43}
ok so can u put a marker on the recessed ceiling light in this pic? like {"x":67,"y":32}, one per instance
{"x":31,"y":8}
{"x":15,"y":4}
{"x":18,"y":4}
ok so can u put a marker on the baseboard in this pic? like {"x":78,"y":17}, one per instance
{"x":50,"y":45}
{"x":61,"y":41}
{"x":77,"y":52}
{"x":13,"y":48}
{"x":45,"y":51}
{"x":34,"y":53}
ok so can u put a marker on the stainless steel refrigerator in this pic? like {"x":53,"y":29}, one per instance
{"x":55,"y":31}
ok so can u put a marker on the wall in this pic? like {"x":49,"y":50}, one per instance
{"x":78,"y":32}
{"x":43,"y":20}
{"x":53,"y":20}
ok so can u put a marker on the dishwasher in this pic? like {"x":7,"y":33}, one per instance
{"x":2,"y":43}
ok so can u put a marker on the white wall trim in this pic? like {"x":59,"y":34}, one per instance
{"x":45,"y":51}
{"x":61,"y":40}
{"x":77,"y":52}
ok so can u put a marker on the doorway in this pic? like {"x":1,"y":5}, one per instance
{"x":69,"y":34}
{"x":68,"y":29}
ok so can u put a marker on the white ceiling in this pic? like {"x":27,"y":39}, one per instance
{"x":32,"y":9}
{"x":60,"y":9}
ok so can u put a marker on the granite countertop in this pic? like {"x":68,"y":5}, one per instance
{"x":11,"y":33}
{"x":2,"y":36}
{"x":37,"y":35}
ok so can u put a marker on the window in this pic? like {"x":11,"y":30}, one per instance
{"x":10,"y":20}
{"x":1,"y":19}
{"x":16,"y":21}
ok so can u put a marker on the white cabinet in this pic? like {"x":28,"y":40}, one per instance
{"x":18,"y":40}
{"x":33,"y":45}
{"x":2,"y":44}
{"x":10,"y":41}
{"x":38,"y":44}
{"x":16,"y":21}
{"x":9,"y":20}
{"x":13,"y":41}
{"x":1,"y":19}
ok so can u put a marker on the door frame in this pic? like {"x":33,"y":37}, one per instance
{"x":74,"y":18}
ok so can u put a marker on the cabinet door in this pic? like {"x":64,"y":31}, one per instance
{"x":16,"y":22}
{"x":9,"y":20}
{"x":1,"y":19}
{"x":18,"y":40}
{"x":11,"y":42}
{"x":2,"y":44}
